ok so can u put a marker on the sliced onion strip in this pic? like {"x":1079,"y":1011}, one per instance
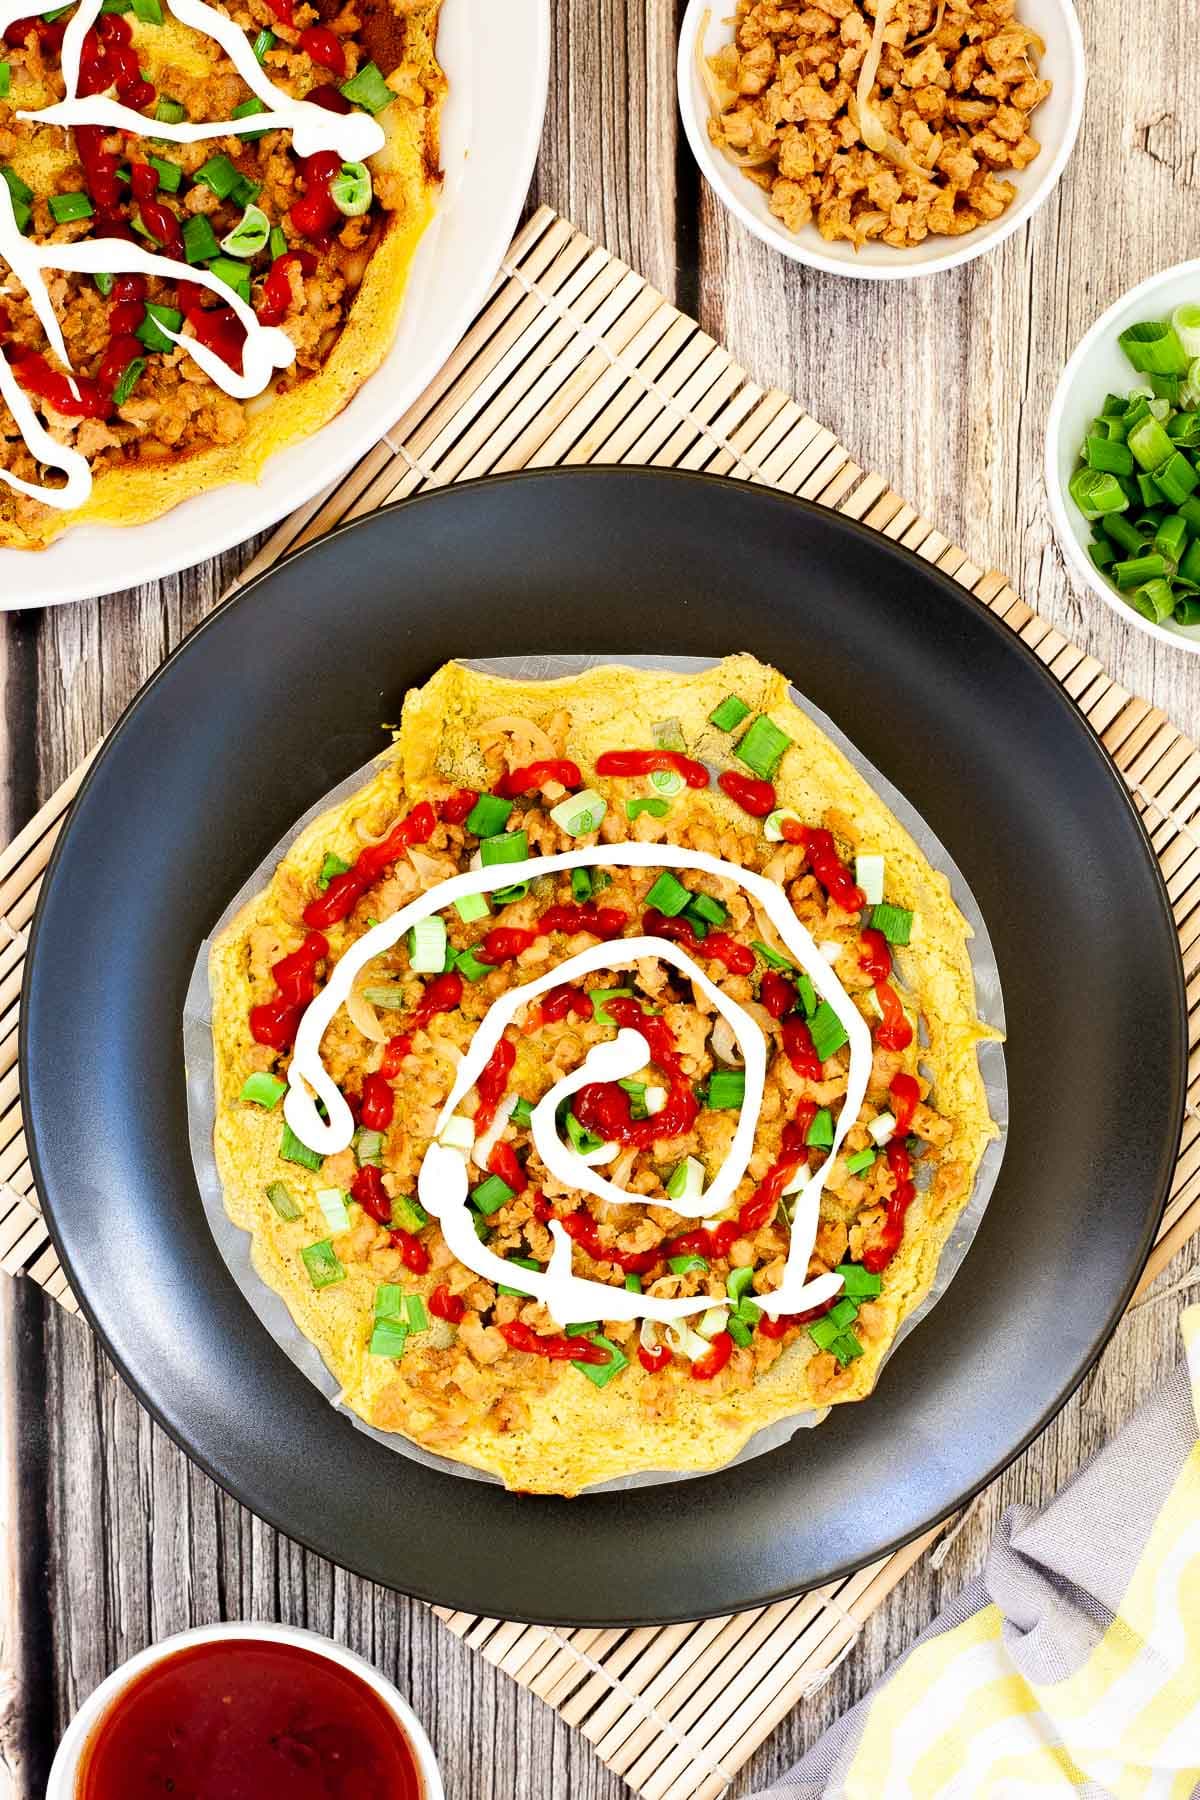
{"x":514,"y":725}
{"x":720,"y":97}
{"x":725,"y":1046}
{"x":915,"y":43}
{"x":483,"y":1146}
{"x":361,"y":1013}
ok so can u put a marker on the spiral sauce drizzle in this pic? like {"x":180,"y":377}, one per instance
{"x":443,"y":1179}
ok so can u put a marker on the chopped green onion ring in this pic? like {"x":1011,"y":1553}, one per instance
{"x":350,"y":190}
{"x":249,"y":235}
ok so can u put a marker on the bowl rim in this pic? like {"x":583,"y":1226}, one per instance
{"x":798,"y":251}
{"x":65,"y":1768}
{"x":1068,"y":544}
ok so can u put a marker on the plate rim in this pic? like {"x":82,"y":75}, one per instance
{"x":1098,"y":1340}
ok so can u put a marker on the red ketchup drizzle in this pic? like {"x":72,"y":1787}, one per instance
{"x":100,"y":178}
{"x":248,"y":1716}
{"x":654,"y":1360}
{"x":777,"y":994}
{"x":793,"y":1153}
{"x":558,"y":1349}
{"x":493,"y":1080}
{"x":563,"y":1000}
{"x":604,"y":1107}
{"x":894,"y":1031}
{"x":756,"y":797}
{"x":533,"y":775}
{"x":331,"y":98}
{"x":321,"y":46}
{"x":774,"y":1328}
{"x":876,"y":959}
{"x":127,"y":306}
{"x":122,"y":349}
{"x":368,"y":1189}
{"x":455,"y":807}
{"x":678,"y":930}
{"x":318,"y":210}
{"x":413,"y":1253}
{"x":445,"y":1305}
{"x":395,"y":1051}
{"x":277,"y":289}
{"x":218,"y":328}
{"x":345,"y":890}
{"x":502,"y":943}
{"x":800,"y":1050}
{"x":604,"y":922}
{"x":778,"y":1327}
{"x":37,"y":377}
{"x":583,"y":1230}
{"x":830,"y":871}
{"x":163,"y":226}
{"x":444,"y":994}
{"x":378,"y":1102}
{"x":143,"y":180}
{"x":284,"y":11}
{"x":702,"y":1241}
{"x":503,"y":1162}
{"x":720,"y":1349}
{"x":648,"y":762}
{"x":879,"y":1254}
{"x":107,"y":59}
{"x":906,"y":1097}
{"x":276,"y":1022}
{"x":49,"y":36}
{"x":737,"y":958}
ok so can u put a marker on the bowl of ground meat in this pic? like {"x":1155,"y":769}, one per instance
{"x":882,"y":138}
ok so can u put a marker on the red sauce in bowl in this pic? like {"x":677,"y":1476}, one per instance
{"x":244,"y":1719}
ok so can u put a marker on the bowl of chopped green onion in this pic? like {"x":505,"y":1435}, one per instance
{"x":1123,"y":457}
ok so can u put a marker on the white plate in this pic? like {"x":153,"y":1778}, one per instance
{"x":496,"y":54}
{"x":1098,"y":367}
{"x":1056,"y":125}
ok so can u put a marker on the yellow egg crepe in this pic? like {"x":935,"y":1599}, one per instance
{"x":425,"y":1346}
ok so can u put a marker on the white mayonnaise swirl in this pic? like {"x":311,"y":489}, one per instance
{"x":630,"y":1048}
{"x":353,"y":135}
{"x":443,"y":1181}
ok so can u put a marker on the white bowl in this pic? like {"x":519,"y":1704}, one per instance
{"x":1099,"y":367}
{"x":1056,"y":125}
{"x":64,"y":1773}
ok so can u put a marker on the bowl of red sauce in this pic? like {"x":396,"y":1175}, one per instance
{"x":238,"y":1712}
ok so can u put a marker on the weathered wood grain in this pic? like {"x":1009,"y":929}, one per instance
{"x":943,"y":384}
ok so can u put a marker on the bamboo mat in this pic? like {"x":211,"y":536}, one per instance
{"x":575,"y":359}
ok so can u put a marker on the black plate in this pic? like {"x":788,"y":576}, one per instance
{"x":279,"y":695}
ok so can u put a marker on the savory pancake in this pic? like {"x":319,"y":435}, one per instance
{"x":314,"y":245}
{"x":718,"y":765}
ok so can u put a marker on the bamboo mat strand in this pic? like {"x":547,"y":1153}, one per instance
{"x":575,"y":359}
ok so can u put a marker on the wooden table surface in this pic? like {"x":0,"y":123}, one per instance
{"x":113,"y":1538}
